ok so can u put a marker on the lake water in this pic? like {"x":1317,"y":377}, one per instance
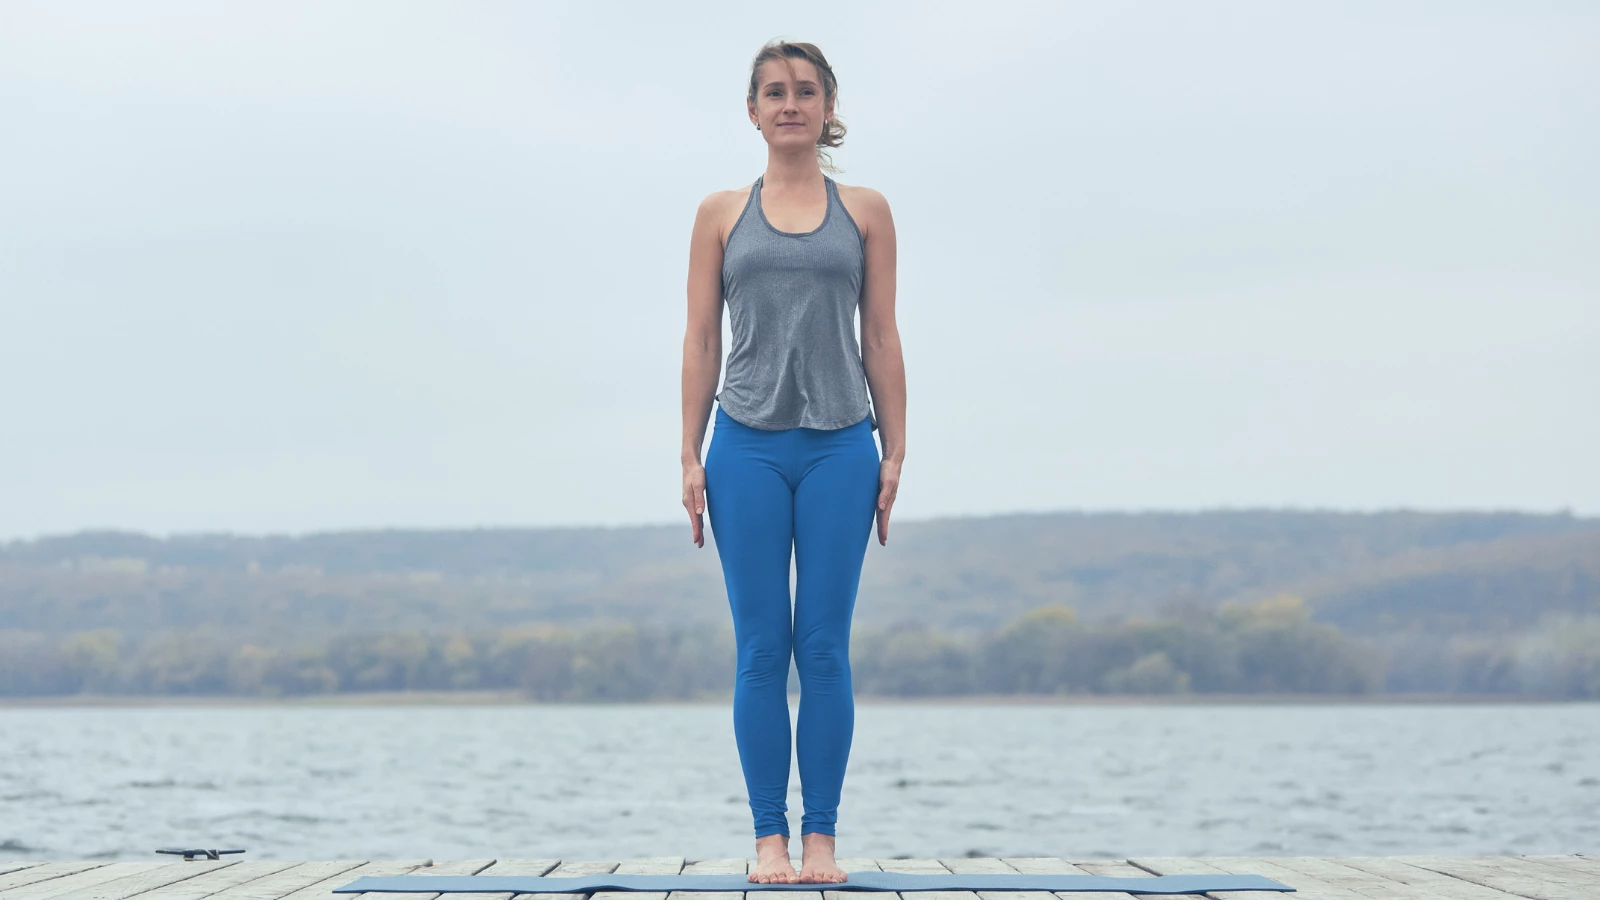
{"x":607,"y":782}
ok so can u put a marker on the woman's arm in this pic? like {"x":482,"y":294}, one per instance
{"x":880,"y":346}
{"x":702,"y":352}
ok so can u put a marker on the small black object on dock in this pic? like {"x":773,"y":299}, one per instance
{"x":192,"y":854}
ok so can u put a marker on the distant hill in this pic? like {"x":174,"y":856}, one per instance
{"x":1368,"y":573}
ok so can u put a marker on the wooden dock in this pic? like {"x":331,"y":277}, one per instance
{"x":1314,"y":878}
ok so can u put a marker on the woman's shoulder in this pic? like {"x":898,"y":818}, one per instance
{"x":720,"y":201}
{"x":721,"y":209}
{"x":861,"y":193}
{"x":865,"y":205}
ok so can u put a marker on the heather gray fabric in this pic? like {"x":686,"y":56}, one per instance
{"x":858,"y":881}
{"x":792,"y":298}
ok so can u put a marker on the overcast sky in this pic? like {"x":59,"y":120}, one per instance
{"x":302,"y":266}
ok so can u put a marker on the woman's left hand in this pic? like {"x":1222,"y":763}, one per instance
{"x":888,"y":485}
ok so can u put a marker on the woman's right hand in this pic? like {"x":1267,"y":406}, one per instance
{"x":694,"y":498}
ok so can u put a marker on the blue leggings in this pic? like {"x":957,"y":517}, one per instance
{"x":815,"y":490}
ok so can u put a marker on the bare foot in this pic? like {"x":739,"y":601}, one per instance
{"x":816,"y":862}
{"x":772,"y":861}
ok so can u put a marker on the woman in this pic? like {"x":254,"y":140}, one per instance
{"x":792,"y":463}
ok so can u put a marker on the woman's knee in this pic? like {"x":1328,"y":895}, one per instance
{"x":765,"y":659}
{"x":822,"y":660}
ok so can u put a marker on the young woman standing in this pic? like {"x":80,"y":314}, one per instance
{"x":792,"y":465}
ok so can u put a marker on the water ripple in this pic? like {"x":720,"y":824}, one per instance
{"x":924,"y":780}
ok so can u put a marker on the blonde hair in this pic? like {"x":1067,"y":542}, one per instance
{"x":832,"y":129}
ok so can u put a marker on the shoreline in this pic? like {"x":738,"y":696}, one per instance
{"x":512,"y":698}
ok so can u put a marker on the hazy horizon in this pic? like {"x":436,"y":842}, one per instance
{"x":897,"y":518}
{"x":303,"y":268}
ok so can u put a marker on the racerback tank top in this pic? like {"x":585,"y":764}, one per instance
{"x":792,"y":299}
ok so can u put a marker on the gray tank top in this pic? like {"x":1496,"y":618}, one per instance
{"x":792,"y":299}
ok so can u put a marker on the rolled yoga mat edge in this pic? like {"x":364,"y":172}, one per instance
{"x":858,"y":881}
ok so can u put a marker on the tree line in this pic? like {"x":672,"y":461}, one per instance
{"x":1372,"y":574}
{"x":1272,"y":646}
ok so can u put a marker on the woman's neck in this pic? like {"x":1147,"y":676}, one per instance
{"x":787,"y":170}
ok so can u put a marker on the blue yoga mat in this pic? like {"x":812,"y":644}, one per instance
{"x":859,"y":881}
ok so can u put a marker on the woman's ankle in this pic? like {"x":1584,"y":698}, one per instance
{"x":817,"y":840}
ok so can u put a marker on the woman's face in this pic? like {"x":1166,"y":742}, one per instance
{"x":789,"y":106}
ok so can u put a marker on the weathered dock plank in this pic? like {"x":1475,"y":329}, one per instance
{"x":1583,"y":864}
{"x":140,"y":884}
{"x":1275,"y":868}
{"x":1306,"y":887}
{"x":45,"y":872}
{"x":1365,"y":883}
{"x":271,"y":886}
{"x":988,"y":865}
{"x":848,"y":863}
{"x":1050,"y":865}
{"x":661,"y":865}
{"x":1439,"y":885}
{"x":16,"y":865}
{"x":451,"y":867}
{"x":509,"y":867}
{"x":1538,"y":869}
{"x":913,"y":867}
{"x":981,"y":865}
{"x":569,"y":868}
{"x":1506,"y":874}
{"x":114,"y":881}
{"x":713,"y":867}
{"x":1122,"y":869}
{"x":217,"y":878}
{"x":925,"y":867}
{"x":323,"y":890}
